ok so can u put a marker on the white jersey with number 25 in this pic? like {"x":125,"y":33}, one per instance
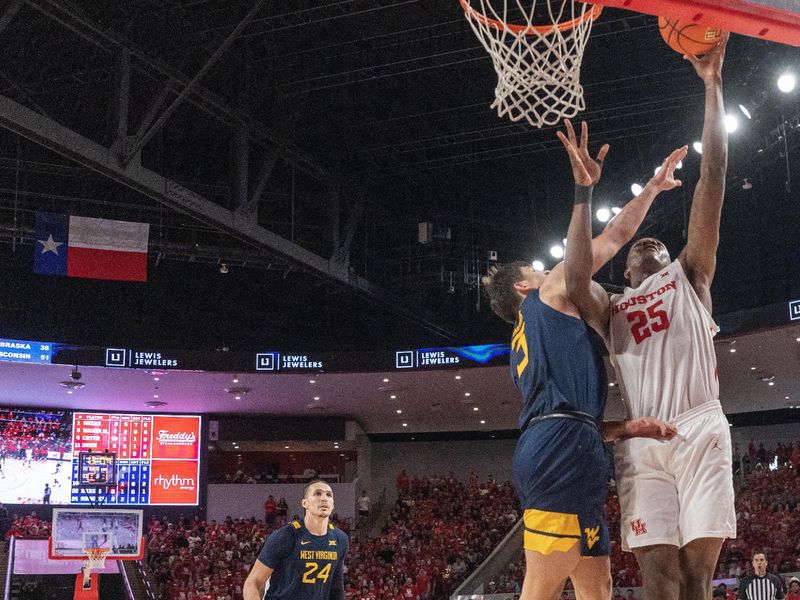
{"x":662,"y":346}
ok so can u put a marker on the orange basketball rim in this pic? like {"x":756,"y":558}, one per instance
{"x":591,"y":15}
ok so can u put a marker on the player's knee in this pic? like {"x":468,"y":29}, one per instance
{"x":695,"y":585}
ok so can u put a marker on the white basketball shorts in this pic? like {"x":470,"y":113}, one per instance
{"x":681,"y":490}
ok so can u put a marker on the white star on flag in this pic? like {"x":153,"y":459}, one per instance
{"x":50,"y":245}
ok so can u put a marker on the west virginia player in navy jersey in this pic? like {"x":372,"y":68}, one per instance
{"x":302,"y":560}
{"x":560,"y":466}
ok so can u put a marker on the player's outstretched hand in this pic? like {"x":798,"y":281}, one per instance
{"x":709,"y":66}
{"x":585,"y":169}
{"x":650,"y":428}
{"x":665,"y":178}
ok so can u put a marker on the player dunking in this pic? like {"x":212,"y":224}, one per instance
{"x":560,"y":467}
{"x":676,"y":498}
{"x":302,"y":560}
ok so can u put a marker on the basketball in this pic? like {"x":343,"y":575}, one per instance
{"x":688,"y":37}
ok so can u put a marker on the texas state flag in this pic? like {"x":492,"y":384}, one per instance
{"x":90,"y":248}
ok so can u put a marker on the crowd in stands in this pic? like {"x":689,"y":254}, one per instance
{"x":439,"y":530}
{"x":29,"y":527}
{"x":268,"y":475}
{"x":36,"y":431}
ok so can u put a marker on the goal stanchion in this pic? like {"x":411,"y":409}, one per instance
{"x":86,"y":582}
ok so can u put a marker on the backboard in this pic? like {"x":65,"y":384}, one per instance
{"x":77,"y":529}
{"x":773,"y":20}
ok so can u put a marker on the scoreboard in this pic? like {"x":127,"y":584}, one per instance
{"x":157,"y":456}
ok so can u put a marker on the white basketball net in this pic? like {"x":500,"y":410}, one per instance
{"x":96,"y":558}
{"x":538,"y":65}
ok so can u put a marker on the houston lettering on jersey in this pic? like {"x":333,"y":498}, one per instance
{"x":644,"y":298}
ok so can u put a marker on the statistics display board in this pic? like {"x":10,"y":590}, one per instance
{"x":157,"y":456}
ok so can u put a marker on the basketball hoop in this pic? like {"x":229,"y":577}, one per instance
{"x":95,"y":559}
{"x":538,"y":66}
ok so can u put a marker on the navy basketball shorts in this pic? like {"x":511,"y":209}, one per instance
{"x":561,"y":473}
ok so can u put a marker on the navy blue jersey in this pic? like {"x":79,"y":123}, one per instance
{"x":555,"y":362}
{"x":305,"y":566}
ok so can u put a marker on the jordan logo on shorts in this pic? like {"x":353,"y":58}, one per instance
{"x":592,"y":536}
{"x":716,"y":445}
{"x":639,"y":527}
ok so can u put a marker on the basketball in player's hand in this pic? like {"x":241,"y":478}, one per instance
{"x":688,"y":37}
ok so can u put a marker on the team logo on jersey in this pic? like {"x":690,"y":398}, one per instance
{"x":304,"y":542}
{"x":666,"y":273}
{"x":638,"y":527}
{"x":592,"y":536}
{"x":331,"y":542}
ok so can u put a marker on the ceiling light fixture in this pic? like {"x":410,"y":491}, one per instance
{"x":557,"y":251}
{"x":745,"y":112}
{"x":698,"y":147}
{"x":731,"y":123}
{"x":603,"y":215}
{"x":787,"y":82}
{"x":537,"y":266}
{"x":636,"y":189}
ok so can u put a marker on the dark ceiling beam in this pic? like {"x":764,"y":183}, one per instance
{"x":9,"y":13}
{"x":120,"y":102}
{"x":70,"y":144}
{"x":148,"y":130}
{"x":71,"y":17}
{"x":249,"y":208}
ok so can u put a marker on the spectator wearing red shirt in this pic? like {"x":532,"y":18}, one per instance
{"x":270,"y":510}
{"x":794,"y":589}
{"x":402,"y":482}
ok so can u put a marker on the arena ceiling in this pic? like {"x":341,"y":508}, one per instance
{"x":758,"y":372}
{"x":301,"y":143}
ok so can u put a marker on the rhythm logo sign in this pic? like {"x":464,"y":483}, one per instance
{"x":174,"y":482}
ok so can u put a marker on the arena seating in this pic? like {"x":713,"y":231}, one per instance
{"x":437,"y":532}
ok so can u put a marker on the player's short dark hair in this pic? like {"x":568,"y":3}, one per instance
{"x":312,"y":482}
{"x":499,"y":288}
{"x":758,"y":551}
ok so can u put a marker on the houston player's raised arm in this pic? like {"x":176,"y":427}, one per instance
{"x":699,"y":257}
{"x":585,"y":256}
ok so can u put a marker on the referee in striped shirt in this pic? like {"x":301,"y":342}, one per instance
{"x":762,"y":585}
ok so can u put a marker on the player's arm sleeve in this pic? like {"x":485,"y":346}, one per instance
{"x":337,"y":589}
{"x":277,"y":547}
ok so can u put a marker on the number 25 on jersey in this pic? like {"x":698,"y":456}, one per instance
{"x":644,"y":323}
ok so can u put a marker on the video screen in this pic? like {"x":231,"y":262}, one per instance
{"x":157,"y":457}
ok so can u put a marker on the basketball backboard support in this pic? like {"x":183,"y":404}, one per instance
{"x":773,"y":20}
{"x":75,"y":530}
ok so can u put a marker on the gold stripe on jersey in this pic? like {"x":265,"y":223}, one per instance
{"x":520,"y":342}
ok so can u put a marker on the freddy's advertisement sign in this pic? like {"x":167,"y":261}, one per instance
{"x":176,"y":437}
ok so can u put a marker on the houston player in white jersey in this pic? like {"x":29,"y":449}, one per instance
{"x":676,"y":497}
